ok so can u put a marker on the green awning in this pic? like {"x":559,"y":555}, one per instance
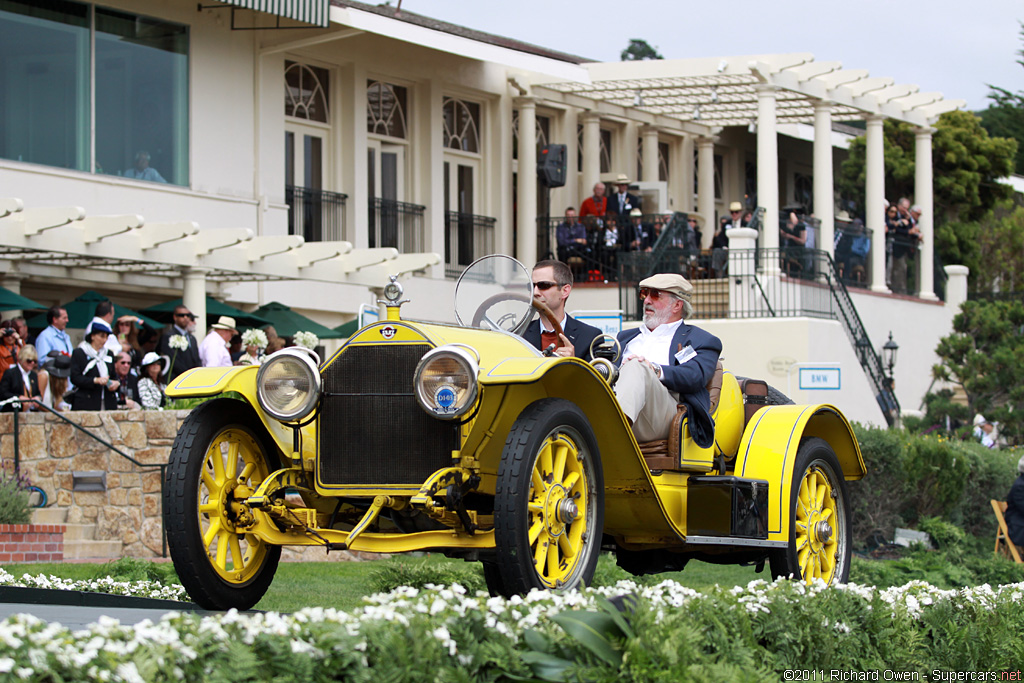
{"x":309,"y":11}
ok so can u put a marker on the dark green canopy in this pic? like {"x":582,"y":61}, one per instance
{"x":287,"y":322}
{"x":346,"y":330}
{"x":214,"y":309}
{"x":83,"y":308}
{"x":10,"y":301}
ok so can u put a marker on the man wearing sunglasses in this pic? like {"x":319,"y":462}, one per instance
{"x":667,"y":362}
{"x":552,"y":283}
{"x":184,"y":324}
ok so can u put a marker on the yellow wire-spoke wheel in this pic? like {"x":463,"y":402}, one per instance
{"x":816,"y":545}
{"x":233,"y":468}
{"x":819,"y":522}
{"x":221,"y":454}
{"x":548,"y":509}
{"x":557,"y":509}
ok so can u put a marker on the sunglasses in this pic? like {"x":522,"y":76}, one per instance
{"x":545,"y":285}
{"x":184,"y":315}
{"x":124,"y":362}
{"x":655,"y":294}
{"x":32,"y":361}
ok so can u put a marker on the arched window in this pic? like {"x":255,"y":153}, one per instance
{"x":386,"y":107}
{"x":461,"y":125}
{"x":306,"y":92}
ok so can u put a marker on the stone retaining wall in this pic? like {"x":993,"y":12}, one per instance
{"x":129,"y":509}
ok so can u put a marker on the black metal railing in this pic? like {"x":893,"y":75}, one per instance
{"x":317,"y":215}
{"x":467,"y":238}
{"x":396,"y":224}
{"x":853,"y":254}
{"x":40,"y":405}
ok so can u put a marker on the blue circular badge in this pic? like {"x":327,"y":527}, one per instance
{"x":445,"y":397}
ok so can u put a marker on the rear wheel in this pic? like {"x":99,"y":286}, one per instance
{"x":220,"y":456}
{"x":819,"y":527}
{"x":549,"y":505}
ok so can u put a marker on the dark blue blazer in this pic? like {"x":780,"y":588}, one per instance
{"x":690,"y":379}
{"x":580,"y":334}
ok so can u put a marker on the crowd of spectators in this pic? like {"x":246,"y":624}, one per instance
{"x":121,"y":363}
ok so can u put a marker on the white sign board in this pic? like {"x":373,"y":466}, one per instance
{"x":368,"y":314}
{"x":820,"y":378}
{"x":609,"y":322}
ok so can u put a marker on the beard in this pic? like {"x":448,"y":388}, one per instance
{"x":653,"y":318}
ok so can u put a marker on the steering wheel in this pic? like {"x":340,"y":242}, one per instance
{"x":481,"y":312}
{"x":606,"y":346}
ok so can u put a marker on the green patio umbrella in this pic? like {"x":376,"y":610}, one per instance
{"x":346,"y":330}
{"x":82,"y":308}
{"x":9,"y":301}
{"x":214,"y":309}
{"x":287,"y":322}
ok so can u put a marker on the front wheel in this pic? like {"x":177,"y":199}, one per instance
{"x":220,"y":456}
{"x":549,"y":501}
{"x":819,"y":521}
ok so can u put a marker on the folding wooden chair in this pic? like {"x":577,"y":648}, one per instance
{"x":1002,"y":535}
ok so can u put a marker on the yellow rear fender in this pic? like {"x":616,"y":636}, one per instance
{"x":770,"y":443}
{"x":210,"y":382}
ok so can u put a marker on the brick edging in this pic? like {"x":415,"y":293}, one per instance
{"x":31,"y":543}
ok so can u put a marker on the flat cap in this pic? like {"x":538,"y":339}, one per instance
{"x":670,"y":282}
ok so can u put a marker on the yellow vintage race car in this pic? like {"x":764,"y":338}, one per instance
{"x":465,"y":440}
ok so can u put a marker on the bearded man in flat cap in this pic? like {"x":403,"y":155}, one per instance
{"x":667,"y":362}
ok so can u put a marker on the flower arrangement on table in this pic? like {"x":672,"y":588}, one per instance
{"x":306,"y":340}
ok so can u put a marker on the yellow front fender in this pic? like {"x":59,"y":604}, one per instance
{"x":207,"y":382}
{"x":770,"y":444}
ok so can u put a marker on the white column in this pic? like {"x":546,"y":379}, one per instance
{"x":743,"y":298}
{"x":956,"y":288}
{"x":824,"y":193}
{"x":706,"y":187}
{"x":591,"y":152}
{"x":526,"y":185}
{"x":193,"y":295}
{"x":923,"y":197}
{"x":683,"y":161}
{"x":768,"y":170}
{"x":12,"y":281}
{"x":649,"y":137}
{"x":874,"y":202}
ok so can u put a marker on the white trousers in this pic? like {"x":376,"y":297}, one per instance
{"x":645,"y":400}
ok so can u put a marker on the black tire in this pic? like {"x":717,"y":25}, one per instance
{"x":819,"y":533}
{"x":492,"y":576}
{"x":569,"y":507}
{"x":192,"y":480}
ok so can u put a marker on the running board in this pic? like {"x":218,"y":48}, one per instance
{"x":733,"y":541}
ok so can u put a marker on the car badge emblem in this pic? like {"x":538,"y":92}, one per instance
{"x":444,"y":398}
{"x":388,"y":332}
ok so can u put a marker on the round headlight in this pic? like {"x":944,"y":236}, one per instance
{"x":446,"y":383}
{"x":288,"y":385}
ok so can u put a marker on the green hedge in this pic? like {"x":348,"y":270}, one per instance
{"x":912,"y":477}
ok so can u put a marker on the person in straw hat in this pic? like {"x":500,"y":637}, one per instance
{"x":213,"y":350}
{"x":667,"y":362}
{"x":622,"y":203}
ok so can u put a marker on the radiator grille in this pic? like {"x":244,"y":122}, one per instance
{"x":372,"y":431}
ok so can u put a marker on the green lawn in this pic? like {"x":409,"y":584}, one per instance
{"x":342,"y":585}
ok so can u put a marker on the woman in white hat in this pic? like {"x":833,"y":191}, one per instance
{"x":151,"y":386}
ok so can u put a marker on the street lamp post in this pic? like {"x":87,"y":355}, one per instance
{"x":889,"y":350}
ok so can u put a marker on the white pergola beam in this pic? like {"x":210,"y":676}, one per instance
{"x":377,"y":276}
{"x":154,"y":234}
{"x":36,"y":220}
{"x":814,"y":70}
{"x":208,"y":241}
{"x":97,"y":228}
{"x":269,"y":245}
{"x":9,"y":205}
{"x":314,"y":252}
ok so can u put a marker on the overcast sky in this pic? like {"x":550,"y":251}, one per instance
{"x":955,"y":48}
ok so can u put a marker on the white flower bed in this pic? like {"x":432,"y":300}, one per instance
{"x":138,"y":589}
{"x":183,"y":646}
